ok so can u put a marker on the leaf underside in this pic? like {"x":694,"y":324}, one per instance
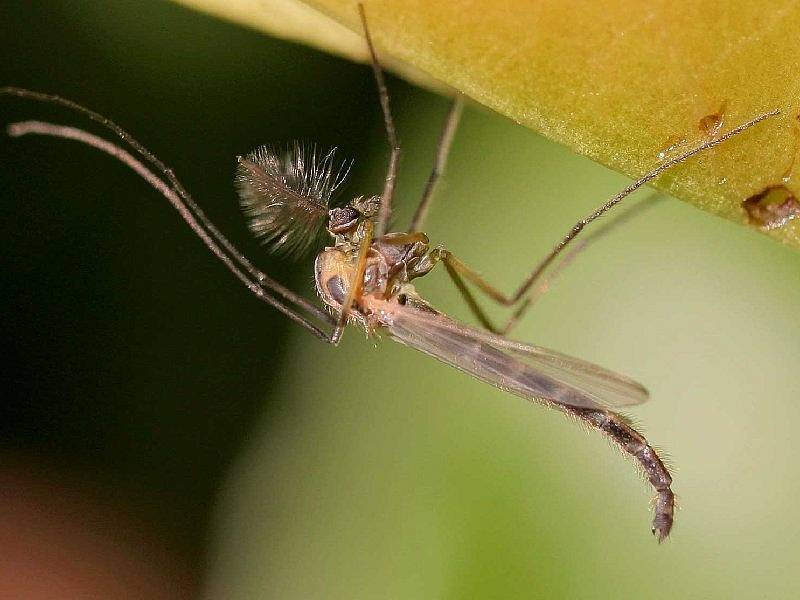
{"x":620,"y":81}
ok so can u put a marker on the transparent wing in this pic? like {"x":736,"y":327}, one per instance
{"x":605,"y":387}
{"x":528,"y":371}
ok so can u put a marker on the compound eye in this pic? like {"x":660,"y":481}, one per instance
{"x":336,"y":289}
{"x":342,"y":220}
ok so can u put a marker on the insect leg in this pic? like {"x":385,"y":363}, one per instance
{"x":357,"y":282}
{"x":464,"y":272}
{"x":469,"y":299}
{"x":546,"y":280}
{"x":460,"y":273}
{"x":440,"y":161}
{"x":541,"y":288}
{"x":576,"y":229}
{"x":391,"y":133}
{"x":187,"y":201}
{"x":256,"y":286}
{"x":526,"y":292}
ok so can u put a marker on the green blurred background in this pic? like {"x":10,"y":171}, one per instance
{"x":272,"y":466}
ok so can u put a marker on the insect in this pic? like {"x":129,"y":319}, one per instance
{"x":365,"y":277}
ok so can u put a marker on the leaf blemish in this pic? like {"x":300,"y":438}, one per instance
{"x":772,"y":207}
{"x":711,"y":124}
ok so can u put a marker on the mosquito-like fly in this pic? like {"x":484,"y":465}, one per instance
{"x":366,"y":276}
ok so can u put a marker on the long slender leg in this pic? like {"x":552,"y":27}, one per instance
{"x":635,"y":444}
{"x":440,"y":161}
{"x":527,"y":285}
{"x":255,"y":286}
{"x":545,"y":281}
{"x":469,"y":299}
{"x":454,"y":265}
{"x":391,"y":172}
{"x":356,"y":283}
{"x":538,"y":291}
{"x":611,"y":203}
{"x":541,"y":288}
{"x":262,"y":279}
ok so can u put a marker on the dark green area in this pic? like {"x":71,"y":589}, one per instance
{"x":132,"y":356}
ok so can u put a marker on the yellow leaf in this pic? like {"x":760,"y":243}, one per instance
{"x":624,"y":82}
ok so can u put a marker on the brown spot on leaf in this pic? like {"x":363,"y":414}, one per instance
{"x":772,"y":208}
{"x":711,"y":124}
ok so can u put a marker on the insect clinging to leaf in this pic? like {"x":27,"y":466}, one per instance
{"x":365,"y":276}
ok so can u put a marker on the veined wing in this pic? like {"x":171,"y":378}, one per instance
{"x":528,"y":371}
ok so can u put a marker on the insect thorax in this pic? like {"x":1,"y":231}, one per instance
{"x":392,"y":261}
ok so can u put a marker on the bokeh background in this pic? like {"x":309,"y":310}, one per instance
{"x":163,"y":434}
